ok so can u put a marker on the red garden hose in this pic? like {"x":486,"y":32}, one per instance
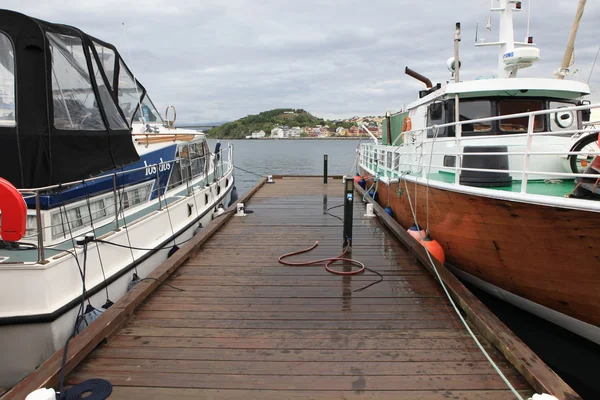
{"x":327,"y":261}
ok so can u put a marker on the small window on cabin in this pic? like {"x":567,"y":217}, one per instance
{"x":7,"y":82}
{"x":436,"y":115}
{"x":563,"y":120}
{"x":477,"y":109}
{"x":149,"y":112}
{"x":74,"y":100}
{"x":519,"y":124}
{"x":175,"y":179}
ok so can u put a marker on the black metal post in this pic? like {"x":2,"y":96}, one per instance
{"x":348,"y":210}
{"x":325,"y":169}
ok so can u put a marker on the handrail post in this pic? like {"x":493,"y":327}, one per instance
{"x":116,"y":202}
{"x":530,"y":127}
{"x":221,"y":161}
{"x":40,"y":238}
{"x":457,"y":136}
{"x":158,"y":188}
{"x":324,"y":169}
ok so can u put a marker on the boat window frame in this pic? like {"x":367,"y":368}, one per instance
{"x":11,"y":123}
{"x":544,"y":106}
{"x":443,"y":132}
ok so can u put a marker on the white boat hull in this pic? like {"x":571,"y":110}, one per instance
{"x":24,"y":346}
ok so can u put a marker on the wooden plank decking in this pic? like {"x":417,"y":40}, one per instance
{"x":246,"y":327}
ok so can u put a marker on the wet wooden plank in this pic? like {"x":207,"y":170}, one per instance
{"x":319,"y":334}
{"x":448,"y":323}
{"x":358,"y":382}
{"x":259,"y":355}
{"x":100,"y":364}
{"x":292,"y":344}
{"x":144,"y":393}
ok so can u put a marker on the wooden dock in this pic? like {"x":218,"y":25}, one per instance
{"x":245,"y":327}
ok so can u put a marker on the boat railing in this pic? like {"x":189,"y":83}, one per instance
{"x":415,"y":152}
{"x":221,"y":163}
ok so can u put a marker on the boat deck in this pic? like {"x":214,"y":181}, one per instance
{"x":236,"y":324}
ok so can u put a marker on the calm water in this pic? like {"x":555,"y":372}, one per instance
{"x":289,"y":157}
{"x":576,"y":360}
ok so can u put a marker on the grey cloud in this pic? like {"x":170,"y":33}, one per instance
{"x":220,"y":60}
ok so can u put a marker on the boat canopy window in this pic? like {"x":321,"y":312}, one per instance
{"x":107,"y":61}
{"x":507,"y":107}
{"x":129,"y":95}
{"x":112,"y":114}
{"x":563,"y":120}
{"x":75,"y":104}
{"x":7,"y":82}
{"x":149,"y":112}
{"x":476,"y":109}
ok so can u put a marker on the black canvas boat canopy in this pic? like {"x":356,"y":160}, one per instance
{"x":67,"y":101}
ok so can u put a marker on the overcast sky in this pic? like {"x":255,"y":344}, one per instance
{"x":219,"y":60}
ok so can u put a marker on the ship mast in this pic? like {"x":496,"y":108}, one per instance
{"x":566,"y":62}
{"x":512,"y":55}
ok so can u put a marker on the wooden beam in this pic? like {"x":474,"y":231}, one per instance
{"x":534,"y":370}
{"x":111,"y":321}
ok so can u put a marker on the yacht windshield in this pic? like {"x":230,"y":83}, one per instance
{"x":149,"y":112}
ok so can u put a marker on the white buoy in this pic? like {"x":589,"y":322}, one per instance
{"x":543,"y":396}
{"x":270,"y":179}
{"x":240,"y":210}
{"x":369,"y":210}
{"x":42,"y":394}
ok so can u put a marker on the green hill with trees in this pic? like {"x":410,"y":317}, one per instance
{"x":267,"y":120}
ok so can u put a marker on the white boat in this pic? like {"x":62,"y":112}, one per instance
{"x":503,"y":174}
{"x":91,"y":156}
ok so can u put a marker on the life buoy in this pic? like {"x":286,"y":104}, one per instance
{"x":14,"y":212}
{"x":407,"y":124}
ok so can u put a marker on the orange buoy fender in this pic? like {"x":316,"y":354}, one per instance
{"x":416,"y":232}
{"x":14,"y":212}
{"x":434,"y":248}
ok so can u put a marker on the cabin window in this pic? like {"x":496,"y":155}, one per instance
{"x":436,"y":115}
{"x":186,"y":167}
{"x":196,"y":155}
{"x":149,"y":112}
{"x":7,"y":82}
{"x":115,"y":121}
{"x":563,"y":120}
{"x":31,"y":226}
{"x":128,"y":92}
{"x":175,"y":179}
{"x":477,"y":109}
{"x":74,"y":100}
{"x":519,"y":124}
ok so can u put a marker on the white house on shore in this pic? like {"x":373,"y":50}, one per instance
{"x":277,"y":133}
{"x":258,"y":135}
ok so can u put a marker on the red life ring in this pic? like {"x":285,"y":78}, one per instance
{"x":14,"y":212}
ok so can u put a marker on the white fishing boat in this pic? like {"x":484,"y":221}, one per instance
{"x":111,"y":188}
{"x":503,"y":174}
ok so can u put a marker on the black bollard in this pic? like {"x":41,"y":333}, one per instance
{"x":348,"y":210}
{"x":325,"y":169}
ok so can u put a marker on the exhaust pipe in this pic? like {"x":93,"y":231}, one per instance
{"x":418,"y":76}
